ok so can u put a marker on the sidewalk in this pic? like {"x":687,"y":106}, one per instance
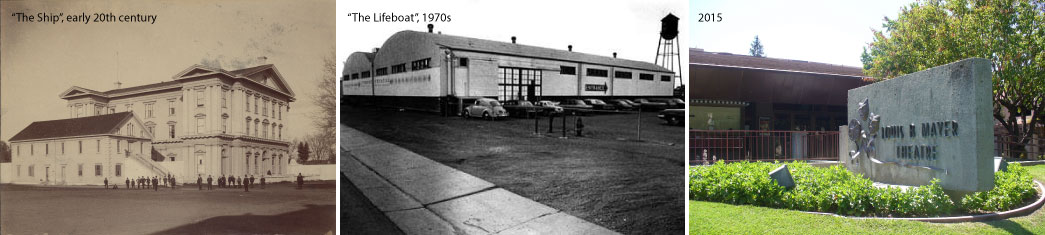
{"x":422,"y":196}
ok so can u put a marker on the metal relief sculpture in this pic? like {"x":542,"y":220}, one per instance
{"x":863,"y":132}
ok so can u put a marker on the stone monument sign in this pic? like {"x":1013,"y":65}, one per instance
{"x":934,"y":123}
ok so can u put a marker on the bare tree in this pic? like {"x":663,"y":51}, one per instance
{"x":322,"y":142}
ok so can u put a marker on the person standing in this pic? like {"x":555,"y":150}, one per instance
{"x":106,"y":182}
{"x":301,"y":180}
{"x":155,"y":184}
{"x":199,"y":182}
{"x":262,"y":182}
{"x":165,"y":181}
{"x":174,"y":183}
{"x":252,"y":180}
{"x":210,"y":181}
{"x":133,"y":183}
{"x":127,"y":183}
{"x":246,"y":184}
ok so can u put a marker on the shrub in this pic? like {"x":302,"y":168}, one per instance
{"x":837,"y":190}
{"x":1011,"y":188}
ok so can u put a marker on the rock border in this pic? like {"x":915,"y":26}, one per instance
{"x":1026,"y":210}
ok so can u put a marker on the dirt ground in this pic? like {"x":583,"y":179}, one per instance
{"x":278,"y":209}
{"x":608,"y":178}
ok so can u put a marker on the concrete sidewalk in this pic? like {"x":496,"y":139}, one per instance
{"x":422,"y":196}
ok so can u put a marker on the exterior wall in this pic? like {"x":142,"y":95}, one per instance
{"x":75,"y":165}
{"x":210,"y":123}
{"x":7,"y":173}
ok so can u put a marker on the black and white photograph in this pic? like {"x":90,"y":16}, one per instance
{"x":156,"y":117}
{"x":536,"y":117}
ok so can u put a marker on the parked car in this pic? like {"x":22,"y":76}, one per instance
{"x":575,"y":106}
{"x":550,"y":108}
{"x":671,"y":103}
{"x":647,"y":105}
{"x":521,"y":108}
{"x":624,"y":104}
{"x":673,"y":116}
{"x":598,"y":104}
{"x":486,"y":108}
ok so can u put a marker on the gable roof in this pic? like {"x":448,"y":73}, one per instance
{"x":244,"y":73}
{"x":699,"y":56}
{"x":93,"y":125}
{"x":507,"y":48}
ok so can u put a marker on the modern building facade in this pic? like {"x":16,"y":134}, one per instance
{"x":435,"y":72}
{"x":742,"y":92}
{"x":205,"y":121}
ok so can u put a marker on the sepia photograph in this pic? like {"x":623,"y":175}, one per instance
{"x":157,"y":117}
{"x":549,"y":117}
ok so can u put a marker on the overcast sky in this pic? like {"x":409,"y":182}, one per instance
{"x":827,"y":31}
{"x":41,"y":60}
{"x":630,"y":28}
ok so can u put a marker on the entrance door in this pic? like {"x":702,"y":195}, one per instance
{"x":47,"y":174}
{"x":63,"y":174}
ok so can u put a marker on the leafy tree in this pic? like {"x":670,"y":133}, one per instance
{"x":303,"y":152}
{"x":5,"y":152}
{"x":756,"y":48}
{"x":1009,"y":33}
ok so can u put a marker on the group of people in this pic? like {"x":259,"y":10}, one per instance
{"x":246,"y":182}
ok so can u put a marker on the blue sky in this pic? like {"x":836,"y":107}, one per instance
{"x":818,"y":30}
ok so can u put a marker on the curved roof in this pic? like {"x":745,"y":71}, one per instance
{"x":358,"y":62}
{"x":407,"y":45}
{"x":699,"y":56}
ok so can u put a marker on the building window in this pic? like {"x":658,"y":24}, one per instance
{"x":98,"y":146}
{"x":148,"y":110}
{"x":622,"y":74}
{"x":152,"y":130}
{"x":646,"y":76}
{"x":519,"y":84}
{"x":79,"y":170}
{"x":256,"y":128}
{"x":63,"y":149}
{"x":18,"y":170}
{"x":224,"y":98}
{"x":201,"y":124}
{"x":280,"y":111}
{"x":420,"y":64}
{"x":130,"y":129}
{"x":18,"y":151}
{"x":597,"y":72}
{"x":256,"y":100}
{"x":112,"y":109}
{"x":199,"y":98}
{"x":81,"y":145}
{"x":463,"y":62}
{"x":273,"y":109}
{"x":365,"y":74}
{"x":31,"y":169}
{"x":280,"y":132}
{"x":355,"y":76}
{"x":382,"y":71}
{"x":98,"y":170}
{"x":399,"y":68}
{"x":119,"y":170}
{"x":224,"y":125}
{"x":47,"y":149}
{"x":79,"y":110}
{"x":265,"y":108}
{"x":170,"y":107}
{"x":265,"y":130}
{"x":98,"y":110}
{"x":32,"y":149}
{"x":567,"y":70}
{"x":248,"y":126}
{"x":248,"y":102}
{"x":665,"y":78}
{"x":171,"y":129}
{"x":130,"y":107}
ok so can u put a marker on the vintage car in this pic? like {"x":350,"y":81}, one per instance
{"x":647,"y":105}
{"x":623,"y":104}
{"x":575,"y":106}
{"x":486,"y":108}
{"x":671,"y":103}
{"x":550,"y":107}
{"x":598,"y":104}
{"x":673,"y":116}
{"x":521,"y":108}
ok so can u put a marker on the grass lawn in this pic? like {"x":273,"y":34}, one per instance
{"x":720,"y":218}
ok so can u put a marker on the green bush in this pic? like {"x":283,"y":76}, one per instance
{"x":1011,"y":188}
{"x":837,"y":190}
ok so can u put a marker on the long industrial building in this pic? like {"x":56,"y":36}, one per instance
{"x":440,"y":73}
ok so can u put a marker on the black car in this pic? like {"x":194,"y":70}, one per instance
{"x":673,"y":116}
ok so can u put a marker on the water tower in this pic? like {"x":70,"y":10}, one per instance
{"x":667,"y":47}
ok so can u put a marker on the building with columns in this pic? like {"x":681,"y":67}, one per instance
{"x":205,"y":121}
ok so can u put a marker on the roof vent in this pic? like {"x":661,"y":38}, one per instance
{"x":430,"y":27}
{"x":376,"y":49}
{"x":513,"y":39}
{"x":570,"y":47}
{"x":614,"y":55}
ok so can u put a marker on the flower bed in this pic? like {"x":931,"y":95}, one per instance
{"x":837,"y":190}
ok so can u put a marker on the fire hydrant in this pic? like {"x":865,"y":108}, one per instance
{"x":580,"y":127}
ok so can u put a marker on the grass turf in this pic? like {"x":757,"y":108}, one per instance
{"x":720,"y":218}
